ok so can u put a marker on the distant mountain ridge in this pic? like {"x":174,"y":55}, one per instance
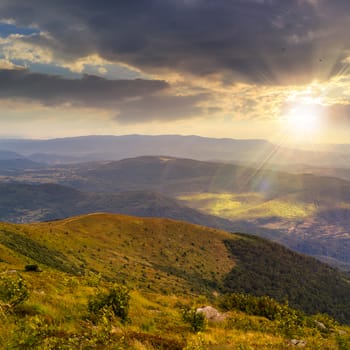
{"x":7,"y":155}
{"x":93,"y":148}
{"x":13,"y":161}
{"x":20,"y":164}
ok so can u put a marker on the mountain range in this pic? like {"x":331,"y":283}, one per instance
{"x":93,"y":148}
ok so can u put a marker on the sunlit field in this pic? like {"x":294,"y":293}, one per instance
{"x":246,"y":206}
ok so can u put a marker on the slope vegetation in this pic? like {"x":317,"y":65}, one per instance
{"x":177,"y":257}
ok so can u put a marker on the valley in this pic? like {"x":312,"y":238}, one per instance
{"x":306,"y":212}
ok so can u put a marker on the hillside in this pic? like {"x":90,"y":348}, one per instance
{"x":12,"y":162}
{"x":176,"y":257}
{"x":23,"y":203}
{"x":175,"y":176}
{"x":7,"y":155}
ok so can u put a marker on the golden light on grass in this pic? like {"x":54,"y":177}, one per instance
{"x":246,"y":206}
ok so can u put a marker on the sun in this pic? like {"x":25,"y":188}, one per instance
{"x":303,"y":121}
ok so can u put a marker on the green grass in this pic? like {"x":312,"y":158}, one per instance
{"x":174,"y":255}
{"x":34,"y":250}
{"x":56,"y":317}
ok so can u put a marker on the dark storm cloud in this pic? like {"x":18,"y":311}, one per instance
{"x":161,"y":108}
{"x":89,"y":90}
{"x":271,"y":41}
{"x":136,"y":100}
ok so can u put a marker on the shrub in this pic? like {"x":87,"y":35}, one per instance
{"x":196,"y":320}
{"x":117,"y":299}
{"x":31,"y":268}
{"x":13,"y":291}
{"x":288,"y":320}
{"x":30,"y":333}
{"x":259,"y":306}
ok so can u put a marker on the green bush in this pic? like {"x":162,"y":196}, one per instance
{"x":289,"y":321}
{"x":116,"y":298}
{"x":196,"y":320}
{"x":13,"y":291}
{"x":258,"y":306}
{"x":30,"y":332}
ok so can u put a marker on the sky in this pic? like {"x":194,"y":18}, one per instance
{"x":271,"y":69}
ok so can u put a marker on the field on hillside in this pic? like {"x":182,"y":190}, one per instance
{"x":245,"y":206}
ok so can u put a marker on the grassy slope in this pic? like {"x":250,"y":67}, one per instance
{"x":55,"y":317}
{"x":142,"y":253}
{"x":171,"y":256}
{"x":137,"y":249}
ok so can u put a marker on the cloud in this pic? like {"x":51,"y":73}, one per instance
{"x":135,"y":100}
{"x":236,"y":59}
{"x":6,"y":64}
{"x":275,"y":42}
{"x":88,"y":91}
{"x":162,"y":108}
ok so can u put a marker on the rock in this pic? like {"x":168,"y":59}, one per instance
{"x":115,"y":330}
{"x":320,"y":325}
{"x":211,"y":314}
{"x":40,"y":292}
{"x":298,"y":342}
